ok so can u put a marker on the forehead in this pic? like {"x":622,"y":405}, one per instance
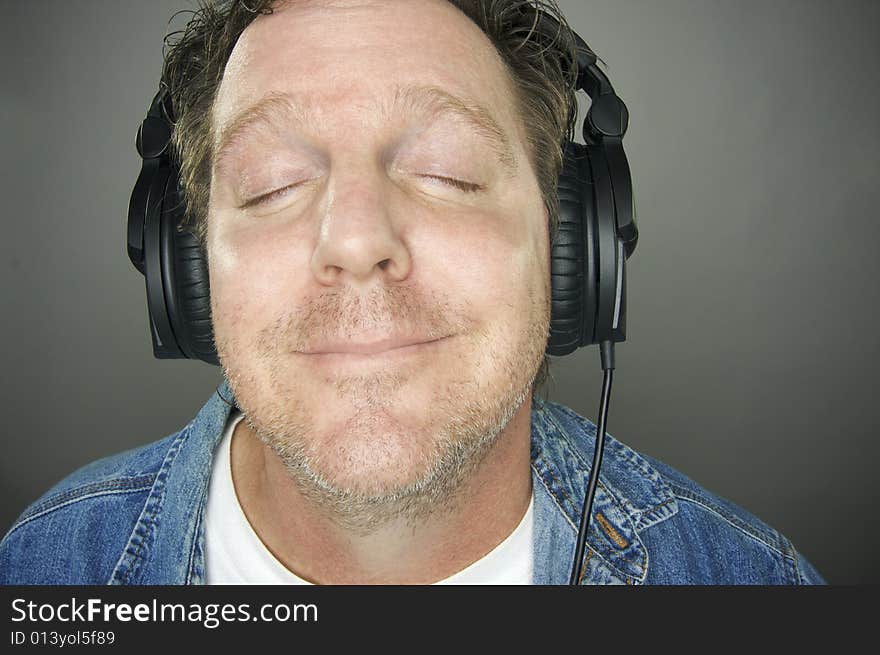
{"x":357,"y":53}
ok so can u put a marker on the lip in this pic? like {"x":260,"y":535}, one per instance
{"x":378,"y":347}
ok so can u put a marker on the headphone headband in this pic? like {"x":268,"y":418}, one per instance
{"x":605,"y":124}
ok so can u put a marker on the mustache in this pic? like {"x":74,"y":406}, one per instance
{"x":346,"y":315}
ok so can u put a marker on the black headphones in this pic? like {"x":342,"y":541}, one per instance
{"x":597,"y":230}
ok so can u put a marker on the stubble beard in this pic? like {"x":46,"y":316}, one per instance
{"x":474,"y":413}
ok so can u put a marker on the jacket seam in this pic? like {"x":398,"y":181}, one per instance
{"x":79,"y":498}
{"x":552,"y":493}
{"x":648,"y":515}
{"x":799,"y":579}
{"x":733,"y":521}
{"x":615,"y":499}
{"x":790,"y":560}
{"x":196,"y":548}
{"x":87,"y":489}
{"x":148,"y":520}
{"x":589,"y":548}
{"x":624,"y":453}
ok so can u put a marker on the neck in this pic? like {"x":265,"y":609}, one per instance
{"x":488,"y":507}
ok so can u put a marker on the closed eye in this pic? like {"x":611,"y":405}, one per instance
{"x":270,"y":196}
{"x":467,"y":187}
{"x":461,"y":185}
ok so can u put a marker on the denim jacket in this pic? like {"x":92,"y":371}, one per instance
{"x":137,"y":518}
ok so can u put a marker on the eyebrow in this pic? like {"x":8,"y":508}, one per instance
{"x":268,"y":111}
{"x":430,"y":102}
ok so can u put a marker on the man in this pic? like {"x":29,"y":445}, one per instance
{"x":373,"y":182}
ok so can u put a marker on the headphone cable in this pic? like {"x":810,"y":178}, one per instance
{"x":606,"y":351}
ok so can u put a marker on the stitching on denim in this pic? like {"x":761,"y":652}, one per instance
{"x":614,"y":499}
{"x":790,"y":562}
{"x":621,"y":450}
{"x":610,"y":441}
{"x":736,"y":522}
{"x":790,"y":567}
{"x":584,"y":569}
{"x":546,"y":469}
{"x":550,"y":471}
{"x":571,"y":448}
{"x":800,"y":579}
{"x":618,"y":449}
{"x":550,"y":491}
{"x":565,"y":515}
{"x":648,"y":515}
{"x":599,"y":483}
{"x":147,"y":521}
{"x":196,"y":549}
{"x":647,"y":512}
{"x":89,"y":489}
{"x":56,"y":506}
{"x":646,"y":563}
{"x":540,"y":459}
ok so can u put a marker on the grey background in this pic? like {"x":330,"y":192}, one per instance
{"x":755,"y":152}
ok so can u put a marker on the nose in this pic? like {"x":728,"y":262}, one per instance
{"x":359,"y":237}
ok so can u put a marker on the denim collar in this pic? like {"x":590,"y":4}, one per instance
{"x":630,"y":496}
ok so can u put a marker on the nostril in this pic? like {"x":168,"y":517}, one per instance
{"x":384,"y":264}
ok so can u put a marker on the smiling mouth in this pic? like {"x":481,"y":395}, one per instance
{"x":369,"y":348}
{"x":385,"y":349}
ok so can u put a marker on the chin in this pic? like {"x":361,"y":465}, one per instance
{"x":371,"y":453}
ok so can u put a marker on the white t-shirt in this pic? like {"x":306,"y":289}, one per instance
{"x":234,"y":554}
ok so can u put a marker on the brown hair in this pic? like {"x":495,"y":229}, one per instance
{"x":541,"y":66}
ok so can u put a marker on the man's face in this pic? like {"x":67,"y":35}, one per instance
{"x":377,"y":247}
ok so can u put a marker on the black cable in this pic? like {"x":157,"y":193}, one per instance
{"x":606,"y":349}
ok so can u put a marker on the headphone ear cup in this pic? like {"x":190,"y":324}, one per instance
{"x":572,"y":272}
{"x":194,"y":296}
{"x":188,"y":292}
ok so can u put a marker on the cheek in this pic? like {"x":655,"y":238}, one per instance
{"x":493,"y":265}
{"x":253,"y":277}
